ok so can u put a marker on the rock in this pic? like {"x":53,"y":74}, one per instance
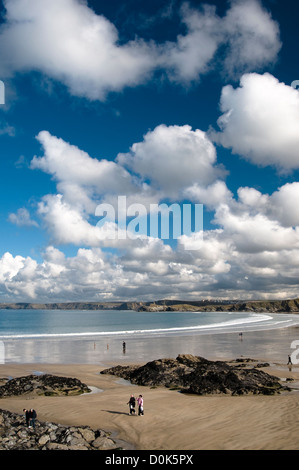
{"x":197,"y":375}
{"x":55,"y":446}
{"x":78,"y":447}
{"x":53,"y":436}
{"x":87,"y":434}
{"x":43,"y":440}
{"x":49,"y":436}
{"x":103,"y":443}
{"x":45,"y":384}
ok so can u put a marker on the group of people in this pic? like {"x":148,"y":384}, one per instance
{"x":30,"y":416}
{"x":132,"y":405}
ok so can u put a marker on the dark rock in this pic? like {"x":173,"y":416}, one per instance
{"x":45,"y":384}
{"x":49,"y":436}
{"x":195,"y":374}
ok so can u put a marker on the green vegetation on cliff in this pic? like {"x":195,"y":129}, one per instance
{"x":273,"y":306}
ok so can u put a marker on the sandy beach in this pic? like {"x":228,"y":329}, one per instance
{"x":172,"y":421}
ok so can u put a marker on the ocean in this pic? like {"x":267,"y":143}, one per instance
{"x":124,"y":323}
{"x":89,"y":336}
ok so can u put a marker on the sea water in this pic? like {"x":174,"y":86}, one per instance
{"x":90,"y":336}
{"x":63,"y":323}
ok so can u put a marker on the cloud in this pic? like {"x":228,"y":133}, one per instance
{"x":67,"y":41}
{"x":173,"y":158}
{"x":253,"y":38}
{"x":280,"y":206}
{"x":284,"y":205}
{"x":253,"y":253}
{"x":21,"y":162}
{"x":81,"y":179}
{"x":246,"y":38}
{"x":10,"y":266}
{"x":7,"y":129}
{"x":260,"y":121}
{"x":65,"y":223}
{"x":22,"y":218}
{"x":175,"y":162}
{"x":168,"y":161}
{"x":211,"y":195}
{"x":192,"y":53}
{"x":249,"y":256}
{"x":253,"y":249}
{"x":253,"y":233}
{"x":256,"y":246}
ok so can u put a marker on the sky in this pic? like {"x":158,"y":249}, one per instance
{"x":160,"y":102}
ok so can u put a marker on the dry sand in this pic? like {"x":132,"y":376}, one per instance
{"x":172,"y":421}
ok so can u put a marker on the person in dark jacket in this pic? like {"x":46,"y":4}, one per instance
{"x":32,"y":417}
{"x":132,"y":404}
{"x":27,"y":417}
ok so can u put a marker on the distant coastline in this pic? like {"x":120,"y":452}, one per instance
{"x":270,"y":306}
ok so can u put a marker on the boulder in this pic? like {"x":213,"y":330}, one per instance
{"x":87,"y":434}
{"x":103,"y":443}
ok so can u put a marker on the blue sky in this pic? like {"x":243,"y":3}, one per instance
{"x":158,"y":101}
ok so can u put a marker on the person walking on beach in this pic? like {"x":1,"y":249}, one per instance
{"x":32,"y":417}
{"x":140,"y":405}
{"x":132,"y":404}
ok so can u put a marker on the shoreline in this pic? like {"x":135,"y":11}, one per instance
{"x":271,"y":344}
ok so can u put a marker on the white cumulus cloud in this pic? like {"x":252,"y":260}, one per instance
{"x":173,"y":158}
{"x":260,"y":121}
{"x":68,"y":42}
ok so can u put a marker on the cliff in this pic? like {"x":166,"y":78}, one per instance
{"x":270,"y":306}
{"x":61,"y":306}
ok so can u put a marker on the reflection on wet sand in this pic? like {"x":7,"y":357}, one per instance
{"x":267,"y":344}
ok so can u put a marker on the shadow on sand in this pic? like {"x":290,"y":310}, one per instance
{"x":116,"y":412}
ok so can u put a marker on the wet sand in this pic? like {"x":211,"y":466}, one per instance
{"x":273,"y":345}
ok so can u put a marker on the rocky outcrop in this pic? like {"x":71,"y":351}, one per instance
{"x":194,"y":374}
{"x":15,"y":435}
{"x":44,"y":384}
